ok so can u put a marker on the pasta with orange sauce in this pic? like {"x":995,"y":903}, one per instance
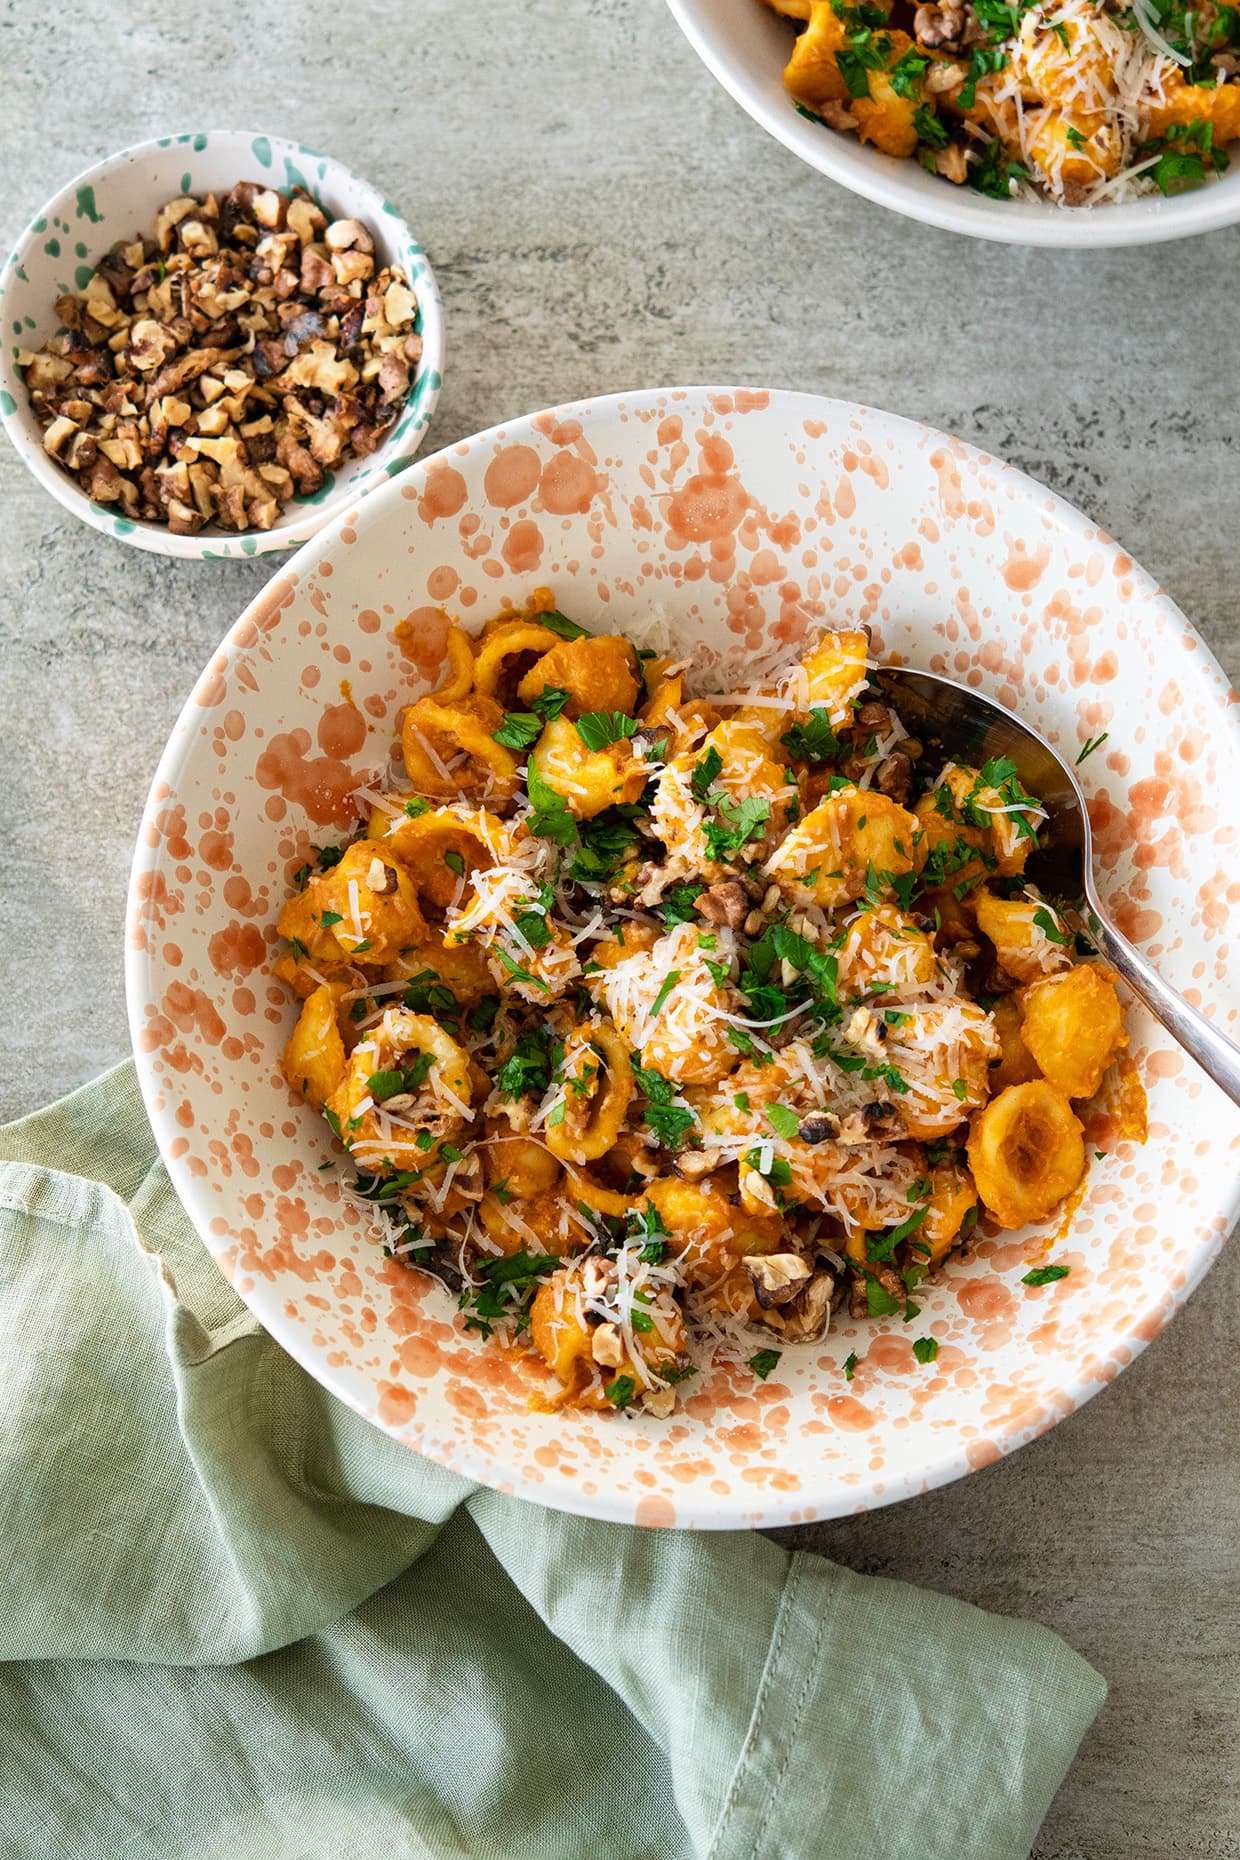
{"x":673,"y":1025}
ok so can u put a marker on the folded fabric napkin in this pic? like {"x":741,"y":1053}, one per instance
{"x":240,"y":1621}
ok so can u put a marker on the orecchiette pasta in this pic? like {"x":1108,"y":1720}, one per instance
{"x":662,"y":1022}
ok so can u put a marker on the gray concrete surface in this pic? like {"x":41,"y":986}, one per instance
{"x":600,"y":217}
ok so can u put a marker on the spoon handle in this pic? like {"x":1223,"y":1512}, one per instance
{"x":1212,"y":1050}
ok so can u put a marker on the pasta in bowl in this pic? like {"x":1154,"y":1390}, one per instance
{"x":661,"y":1024}
{"x":730,"y":530}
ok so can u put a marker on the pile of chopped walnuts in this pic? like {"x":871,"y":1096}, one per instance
{"x":208,"y":373}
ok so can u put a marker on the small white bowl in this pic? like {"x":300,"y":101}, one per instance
{"x":746,"y":46}
{"x":119,"y":198}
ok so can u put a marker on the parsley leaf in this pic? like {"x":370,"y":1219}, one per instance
{"x":560,"y":624}
{"x":677,"y":906}
{"x":814,"y":740}
{"x":850,"y":1365}
{"x":1045,"y":922}
{"x":550,"y":819}
{"x":925,"y":1349}
{"x":763,"y":1363}
{"x":1045,"y":1275}
{"x":784,"y":1122}
{"x":550,"y":701}
{"x":929,"y":129}
{"x":620,"y":1391}
{"x":519,"y":729}
{"x":905,"y":75}
{"x":527,"y":1069}
{"x":705,"y":773}
{"x":670,"y":1122}
{"x":878,"y":1300}
{"x":598,"y":728}
{"x":417,"y":807}
{"x":743,"y":820}
{"x":669,"y":982}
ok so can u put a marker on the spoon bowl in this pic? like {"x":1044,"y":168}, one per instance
{"x":963,"y":725}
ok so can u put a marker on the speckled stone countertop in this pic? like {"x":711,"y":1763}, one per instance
{"x":601,"y":216}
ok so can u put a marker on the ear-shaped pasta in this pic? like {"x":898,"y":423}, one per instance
{"x":363,"y":910}
{"x":830,"y":854}
{"x":598,"y":1087}
{"x":590,"y":780}
{"x":1074,"y":1027}
{"x":434,"y":737}
{"x":1027,"y":1152}
{"x":599,"y":673}
{"x":1017,"y":1064}
{"x":408,"y":1078}
{"x":885,"y":949}
{"x":504,"y":654}
{"x":710,"y":1232}
{"x":461,"y":968}
{"x":314,"y":1059}
{"x":458,"y":680}
{"x":1018,"y":929}
{"x":953,"y":1195}
{"x":441,"y":846}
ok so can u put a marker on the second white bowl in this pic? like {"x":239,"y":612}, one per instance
{"x":746,"y":47}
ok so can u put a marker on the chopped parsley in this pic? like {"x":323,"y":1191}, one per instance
{"x":907,"y":72}
{"x":455,"y":863}
{"x":850,"y":1365}
{"x":763,"y":1363}
{"x":1046,"y":923}
{"x":669,"y":1122}
{"x":551,"y":819}
{"x":599,"y":728}
{"x":620,"y":1391}
{"x":528,"y":1067}
{"x":677,"y":906}
{"x":519,"y":729}
{"x":427,"y":993}
{"x":669,"y":982}
{"x":1045,"y":1275}
{"x":779,"y":1174}
{"x":705,"y":774}
{"x":550,"y":701}
{"x":604,"y":844}
{"x":385,"y":1085}
{"x":742,"y":821}
{"x":925,"y":1349}
{"x":417,"y":807}
{"x":784,"y":1122}
{"x":814,"y":740}
{"x":931,"y":131}
{"x":560,"y":624}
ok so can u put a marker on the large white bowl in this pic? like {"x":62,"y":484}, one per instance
{"x":118,"y":199}
{"x":749,"y":517}
{"x":746,"y":46}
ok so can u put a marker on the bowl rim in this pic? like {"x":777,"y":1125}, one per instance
{"x":961,"y":210}
{"x":1143,"y":1320}
{"x":213,"y":544}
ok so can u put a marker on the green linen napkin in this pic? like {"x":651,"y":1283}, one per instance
{"x":240,"y":1621}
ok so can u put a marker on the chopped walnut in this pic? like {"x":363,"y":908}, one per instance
{"x":215,"y":368}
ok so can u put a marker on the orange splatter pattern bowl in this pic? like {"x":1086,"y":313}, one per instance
{"x":747,"y":519}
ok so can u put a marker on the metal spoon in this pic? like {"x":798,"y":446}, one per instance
{"x":962,"y":725}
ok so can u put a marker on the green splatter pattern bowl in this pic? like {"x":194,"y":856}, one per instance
{"x":118,"y":199}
